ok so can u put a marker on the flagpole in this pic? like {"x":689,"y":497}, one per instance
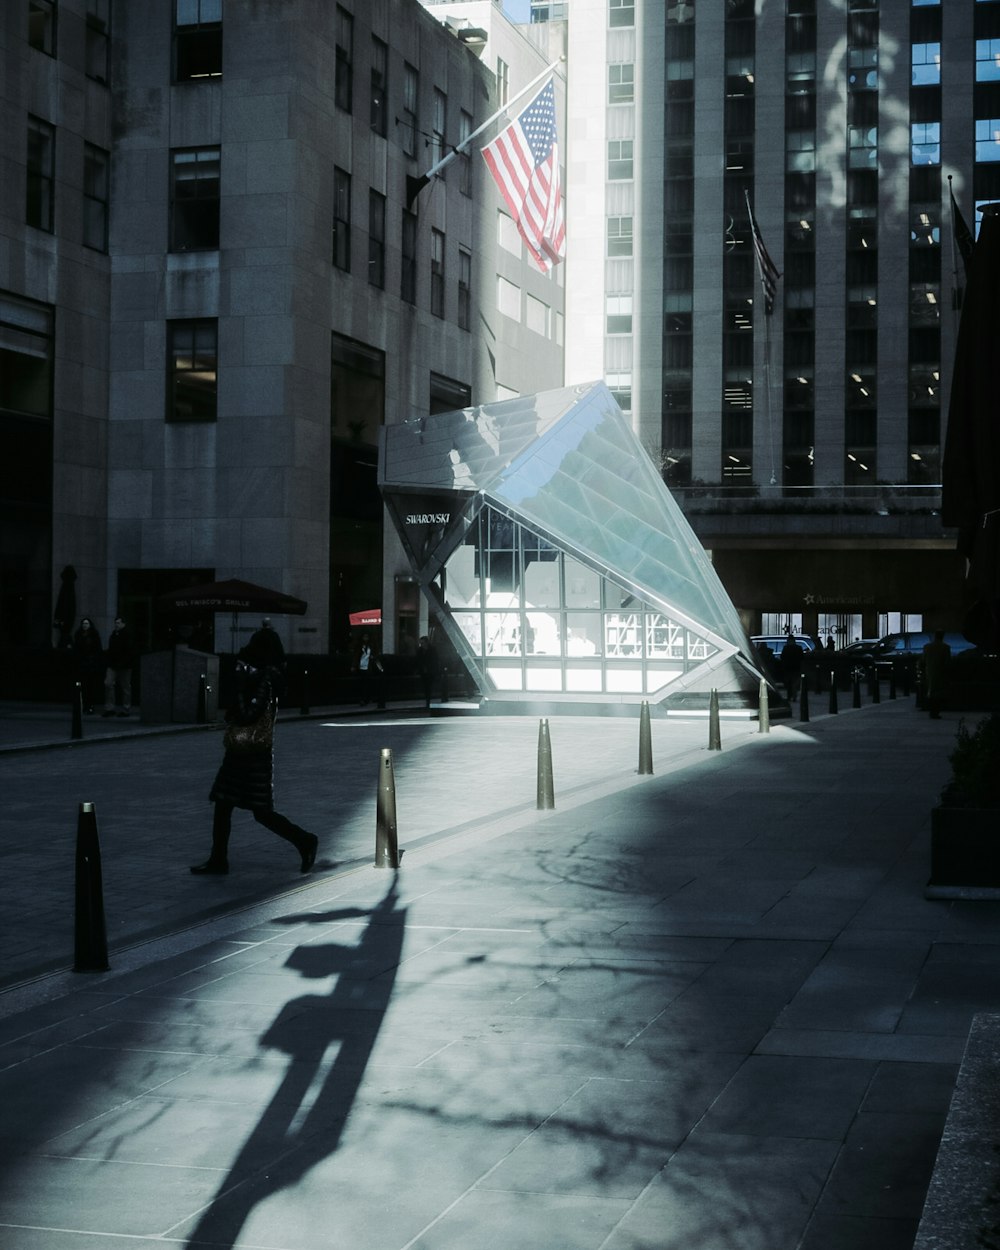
{"x":767,"y":349}
{"x":415,"y":185}
{"x":955,"y":300}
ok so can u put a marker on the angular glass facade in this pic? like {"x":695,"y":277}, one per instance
{"x":555,"y":557}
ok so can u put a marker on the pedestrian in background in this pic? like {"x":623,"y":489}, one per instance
{"x":88,"y":655}
{"x":270,"y":646}
{"x":427,"y":666}
{"x":119,"y":658}
{"x":937,"y":659}
{"x":246,"y":777}
{"x":792,"y":657}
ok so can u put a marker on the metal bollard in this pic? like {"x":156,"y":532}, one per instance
{"x":804,"y":704}
{"x":91,"y":942}
{"x":645,"y":742}
{"x":546,"y":791}
{"x":304,"y":709}
{"x":892,"y":681}
{"x":444,"y":683}
{"x":833,"y":694}
{"x":856,"y":684}
{"x":714,"y":733}
{"x":76,"y":729}
{"x":876,"y":686}
{"x":201,"y":714}
{"x":763,"y":709}
{"x":386,"y":846}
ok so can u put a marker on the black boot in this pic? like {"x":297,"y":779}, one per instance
{"x":211,"y":867}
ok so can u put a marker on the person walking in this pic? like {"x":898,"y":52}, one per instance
{"x":792,"y":656}
{"x":427,"y":666}
{"x":937,"y":657}
{"x":119,"y":658}
{"x":88,"y":655}
{"x":366,"y":665}
{"x":246,"y":776}
{"x":271,"y":645}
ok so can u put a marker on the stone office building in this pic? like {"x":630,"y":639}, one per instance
{"x":213,"y":292}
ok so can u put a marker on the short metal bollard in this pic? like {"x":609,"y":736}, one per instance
{"x":91,"y":942}
{"x":856,"y":700}
{"x":201,"y":714}
{"x":304,"y":706}
{"x":546,"y":788}
{"x":804,"y":704}
{"x":892,"y":681}
{"x":645,"y":741}
{"x":876,"y":686}
{"x":833,"y":694}
{"x":714,"y":731}
{"x":76,"y":728}
{"x":386,"y":843}
{"x":763,"y":709}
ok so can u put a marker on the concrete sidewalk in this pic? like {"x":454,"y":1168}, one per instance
{"x":705,"y":1009}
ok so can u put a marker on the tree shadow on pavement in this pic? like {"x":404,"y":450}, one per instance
{"x":305,"y":1118}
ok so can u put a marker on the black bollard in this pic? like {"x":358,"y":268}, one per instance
{"x":444,"y":684}
{"x":379,"y":686}
{"x":645,"y":742}
{"x":906,"y":681}
{"x":892,"y":681}
{"x":201,"y":714}
{"x":763,"y":709}
{"x":386,"y":842}
{"x":76,"y":729}
{"x":856,"y":684}
{"x":876,"y":685}
{"x":833,"y":694}
{"x":91,"y":942}
{"x":304,"y":709}
{"x":804,"y":704}
{"x":714,"y":733}
{"x":546,"y":789}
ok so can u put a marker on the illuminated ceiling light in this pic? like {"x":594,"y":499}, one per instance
{"x":872,"y":302}
{"x":914,"y":456}
{"x":862,"y":466}
{"x":850,"y":457}
{"x":863,"y":391}
{"x":749,"y":77}
{"x":931,"y":297}
{"x":935,"y":375}
{"x":734,"y":459}
{"x":930,"y":390}
{"x":804,"y":224}
{"x":804,"y":381}
{"x":925,"y":219}
{"x":864,"y":242}
{"x":855,"y":377}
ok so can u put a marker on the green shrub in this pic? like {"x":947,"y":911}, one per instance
{"x":975,"y":765}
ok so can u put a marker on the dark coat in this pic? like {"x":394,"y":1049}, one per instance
{"x":246,"y":778}
{"x":120,"y":653}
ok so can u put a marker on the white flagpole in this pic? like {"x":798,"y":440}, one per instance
{"x":415,"y":185}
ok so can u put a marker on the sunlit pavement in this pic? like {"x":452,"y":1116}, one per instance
{"x":706,"y":1009}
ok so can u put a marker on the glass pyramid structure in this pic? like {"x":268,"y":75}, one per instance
{"x":554,"y":556}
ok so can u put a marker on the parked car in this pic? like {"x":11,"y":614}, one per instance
{"x":774,"y":643}
{"x":908,"y":648}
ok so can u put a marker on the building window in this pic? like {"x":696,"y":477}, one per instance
{"x":342,"y":220}
{"x":508,"y":299}
{"x":98,"y":30}
{"x":437,"y":273}
{"x":464,"y":289}
{"x":465,"y":157}
{"x":621,"y":84}
{"x":925,"y":62}
{"x":620,"y":386}
{"x":411,"y":94}
{"x":619,"y":160}
{"x":197,"y":39}
{"x":192,"y":370}
{"x":988,"y":139}
{"x":800,"y":151}
{"x":42,"y":26}
{"x":536,"y":315}
{"x":925,"y":143}
{"x":438,"y":127}
{"x":619,"y":236}
{"x":40,"y":206}
{"x":618,"y":314}
{"x":621,"y":12}
{"x":507,"y":234}
{"x":376,"y":239}
{"x":194,"y":200}
{"x":344,"y":71}
{"x":862,"y":147}
{"x":96,"y":163}
{"x":503,"y":81}
{"x":380,"y":87}
{"x":408,"y":271}
{"x":987,"y":60}
{"x":26,"y":355}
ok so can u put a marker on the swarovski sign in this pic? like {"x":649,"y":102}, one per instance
{"x":428,"y":518}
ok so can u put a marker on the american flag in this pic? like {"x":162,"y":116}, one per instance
{"x":524,"y":161}
{"x":766,"y":267}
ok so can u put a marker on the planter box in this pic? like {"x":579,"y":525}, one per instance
{"x":965,"y":853}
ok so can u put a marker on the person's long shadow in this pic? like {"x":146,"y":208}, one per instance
{"x":293,"y":1135}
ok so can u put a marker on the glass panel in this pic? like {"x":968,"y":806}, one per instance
{"x":471,"y":625}
{"x":583,"y":633}
{"x":583,"y":586}
{"x":624,"y":678}
{"x":541,"y":581}
{"x":623,"y":634}
{"x":505,"y":677}
{"x":503,"y":633}
{"x":542,"y":633}
{"x":463,"y":579}
{"x":583,"y":679}
{"x":543,"y":677}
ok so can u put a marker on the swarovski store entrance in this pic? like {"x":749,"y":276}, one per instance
{"x":554,"y":557}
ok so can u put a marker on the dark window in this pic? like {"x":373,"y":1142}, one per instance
{"x":26,"y":354}
{"x":342,"y":219}
{"x":465,"y":157}
{"x":619,"y":236}
{"x":194,"y":200}
{"x":42,"y":25}
{"x":437,"y":273}
{"x":192,"y":370}
{"x":411,"y":94}
{"x":95,"y":197}
{"x":621,"y":12}
{"x":438,"y":127}
{"x":408,"y":273}
{"x":344,"y":78}
{"x":40,"y":207}
{"x":376,"y":239}
{"x":98,"y":30}
{"x":464,"y":289}
{"x":379,"y":87}
{"x":197,"y":39}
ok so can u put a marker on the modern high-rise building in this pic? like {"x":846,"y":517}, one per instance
{"x":803,"y":440}
{"x":216,"y":287}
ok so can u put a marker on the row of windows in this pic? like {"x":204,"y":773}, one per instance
{"x":42,"y":23}
{"x":39,"y":209}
